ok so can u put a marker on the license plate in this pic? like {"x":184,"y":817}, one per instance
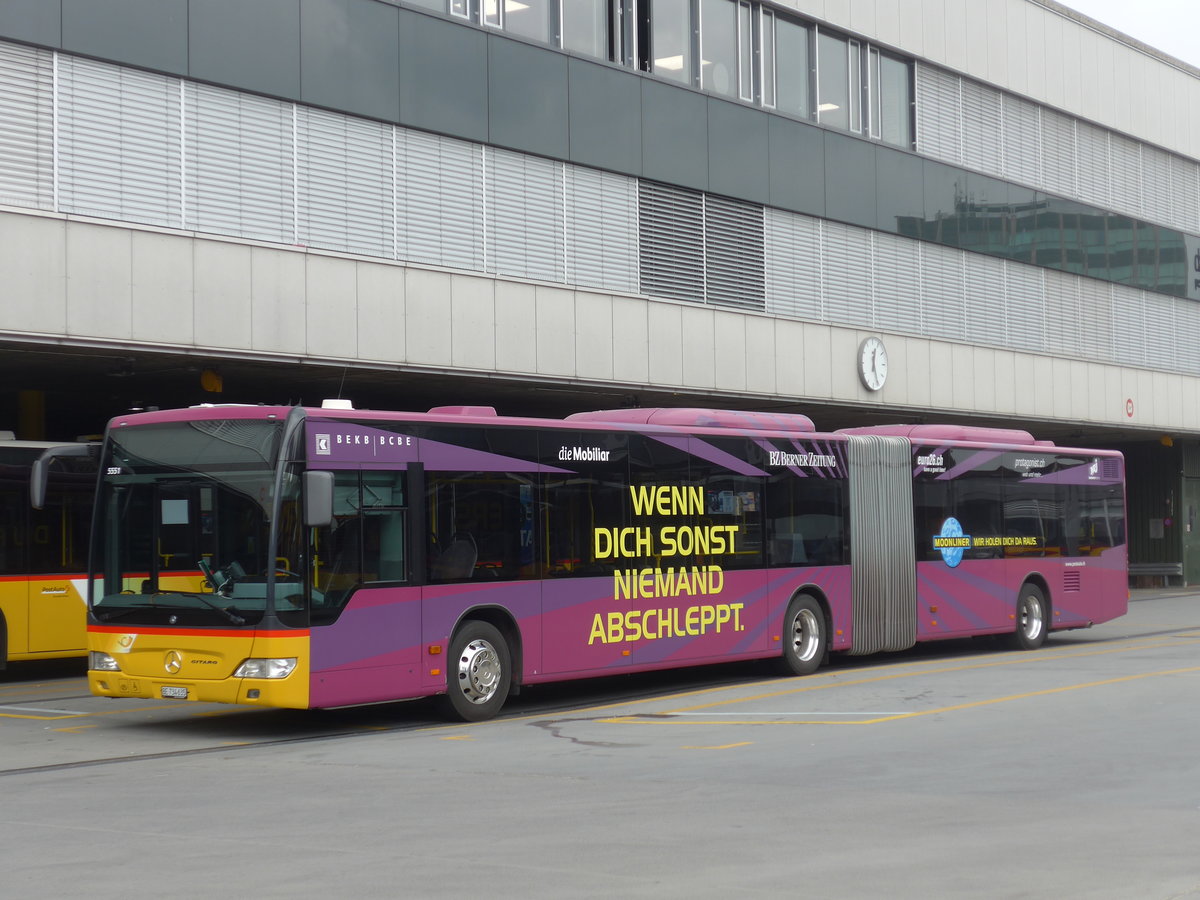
{"x":174,"y":693}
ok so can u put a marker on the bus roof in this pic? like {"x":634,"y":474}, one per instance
{"x":969,"y":433}
{"x":638,"y":419}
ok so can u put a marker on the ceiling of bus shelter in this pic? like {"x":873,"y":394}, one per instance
{"x":83,"y":388}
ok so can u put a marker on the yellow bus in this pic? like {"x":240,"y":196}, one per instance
{"x":43,"y":552}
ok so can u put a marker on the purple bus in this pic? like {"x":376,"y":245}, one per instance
{"x":304,"y":557}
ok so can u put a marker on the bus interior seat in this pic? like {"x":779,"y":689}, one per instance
{"x":457,"y":561}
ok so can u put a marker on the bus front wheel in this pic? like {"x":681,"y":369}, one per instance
{"x":478,"y":672}
{"x":804,"y":636}
{"x":1032,"y":618}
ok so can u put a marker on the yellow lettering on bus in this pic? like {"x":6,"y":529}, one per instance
{"x":667,"y":500}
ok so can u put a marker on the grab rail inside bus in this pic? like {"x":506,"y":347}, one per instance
{"x":39,"y":473}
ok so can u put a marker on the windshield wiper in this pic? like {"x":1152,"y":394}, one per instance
{"x":143,"y":607}
{"x":122,"y":613}
{"x":231,"y":616}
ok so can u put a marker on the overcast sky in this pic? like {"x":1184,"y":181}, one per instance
{"x":1172,"y":26}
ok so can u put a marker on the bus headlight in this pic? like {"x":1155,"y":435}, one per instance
{"x":102,"y":662}
{"x":265,"y":668}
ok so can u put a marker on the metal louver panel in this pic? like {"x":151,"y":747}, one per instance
{"x":1060,"y":165}
{"x":345,"y":172}
{"x":670,"y":241}
{"x":733,"y":254}
{"x":1022,"y":140}
{"x":943,"y":292}
{"x":987,"y":302}
{"x":1094,"y":173}
{"x":119,"y":135}
{"x":1156,"y":188}
{"x":1094,"y":330}
{"x":939,"y":114}
{"x":793,"y":266}
{"x":601,"y":211}
{"x":1129,"y":325}
{"x":1062,"y":313}
{"x":1160,"y":330}
{"x":1125,"y":175}
{"x":983,"y":127}
{"x":1026,"y":306}
{"x":525,"y":216}
{"x":26,"y":127}
{"x":897,"y":292}
{"x":240,"y":172}
{"x":848,"y":275}
{"x":1185,"y":194}
{"x":1187,"y":337}
{"x":883,"y":568}
{"x":440,"y":200}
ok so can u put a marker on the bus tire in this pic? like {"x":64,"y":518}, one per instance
{"x":1033,"y":618}
{"x":805,"y":637}
{"x":478,"y":672}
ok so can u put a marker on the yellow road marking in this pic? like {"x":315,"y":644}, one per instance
{"x":664,"y":718}
{"x":828,"y":679}
{"x":113,"y":712}
{"x":826,"y":683}
{"x":720,"y":746}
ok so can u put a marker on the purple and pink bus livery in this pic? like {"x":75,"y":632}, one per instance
{"x":303,"y":557}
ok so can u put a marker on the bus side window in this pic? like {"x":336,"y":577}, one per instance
{"x":337,"y":560}
{"x":384,"y":526}
{"x":480,"y":526}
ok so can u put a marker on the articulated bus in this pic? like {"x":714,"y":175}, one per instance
{"x":325,"y":557}
{"x":43,"y":552}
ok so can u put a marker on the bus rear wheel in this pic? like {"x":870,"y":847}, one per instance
{"x":1032,"y":618}
{"x":804,"y":636}
{"x":478,"y":672}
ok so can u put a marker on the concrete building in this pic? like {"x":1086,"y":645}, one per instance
{"x":554,"y":206}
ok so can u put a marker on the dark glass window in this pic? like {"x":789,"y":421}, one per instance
{"x":805,"y":512}
{"x":731,"y":525}
{"x":974,"y":499}
{"x":584,"y":508}
{"x":365,"y":543}
{"x":54,"y":538}
{"x":337,"y":550}
{"x":480,"y":526}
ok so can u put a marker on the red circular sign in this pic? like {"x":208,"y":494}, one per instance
{"x":1129,"y":407}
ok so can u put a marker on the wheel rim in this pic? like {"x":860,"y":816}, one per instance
{"x":479,"y":671}
{"x":1031,"y":618}
{"x":806,"y":635}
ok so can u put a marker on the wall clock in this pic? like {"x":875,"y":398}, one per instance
{"x":872,"y":363}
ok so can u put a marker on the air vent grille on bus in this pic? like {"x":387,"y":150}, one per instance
{"x":688,"y":417}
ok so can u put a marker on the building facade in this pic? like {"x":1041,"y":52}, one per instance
{"x":712,"y":201}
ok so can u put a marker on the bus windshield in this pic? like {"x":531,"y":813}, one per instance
{"x":185,"y":530}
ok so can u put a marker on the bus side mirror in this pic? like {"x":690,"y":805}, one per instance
{"x":318,"y":498}
{"x":39,"y":473}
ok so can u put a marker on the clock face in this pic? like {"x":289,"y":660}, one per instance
{"x":872,"y":363}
